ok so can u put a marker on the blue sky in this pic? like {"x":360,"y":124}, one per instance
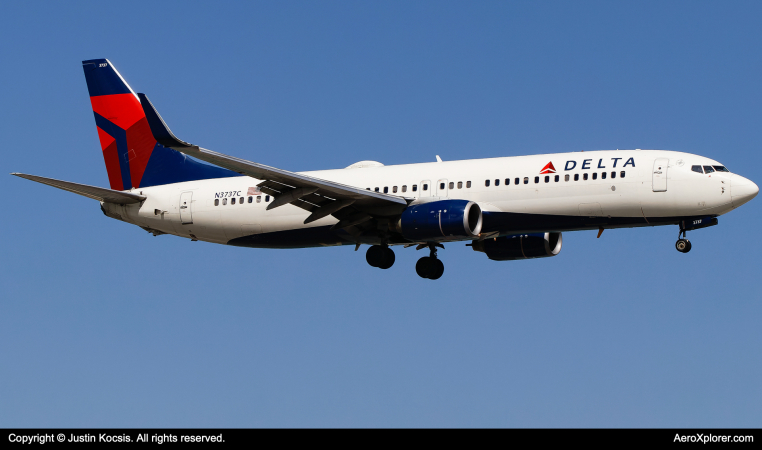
{"x":103,"y":325}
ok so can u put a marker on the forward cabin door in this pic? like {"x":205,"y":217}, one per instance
{"x":660,"y":174}
{"x":186,"y":216}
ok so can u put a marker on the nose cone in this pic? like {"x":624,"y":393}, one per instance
{"x":742,"y":190}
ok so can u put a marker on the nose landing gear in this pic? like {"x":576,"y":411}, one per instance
{"x":682,"y":245}
{"x":429,"y":266}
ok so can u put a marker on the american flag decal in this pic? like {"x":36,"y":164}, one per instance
{"x":254,"y":191}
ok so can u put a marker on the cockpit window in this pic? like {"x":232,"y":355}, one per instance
{"x":697,"y":169}
{"x":721,"y":169}
{"x":708,"y":169}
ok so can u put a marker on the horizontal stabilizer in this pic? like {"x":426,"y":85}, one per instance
{"x":96,"y":193}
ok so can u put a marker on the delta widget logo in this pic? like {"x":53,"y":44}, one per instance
{"x":548,"y":168}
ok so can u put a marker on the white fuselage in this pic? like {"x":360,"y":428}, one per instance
{"x":641,"y":193}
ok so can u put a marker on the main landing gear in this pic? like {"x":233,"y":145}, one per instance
{"x":682,"y":245}
{"x":380,"y":256}
{"x":429,"y":266}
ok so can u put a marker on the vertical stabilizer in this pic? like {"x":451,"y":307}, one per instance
{"x":133,"y":157}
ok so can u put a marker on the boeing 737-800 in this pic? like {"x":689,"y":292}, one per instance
{"x":508,"y":208}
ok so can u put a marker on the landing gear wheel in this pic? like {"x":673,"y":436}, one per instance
{"x":375,"y":255}
{"x":437,"y":269}
{"x":380,"y":256}
{"x":683,"y":245}
{"x":388,"y":259}
{"x":428,"y":267}
{"x":422,"y":267}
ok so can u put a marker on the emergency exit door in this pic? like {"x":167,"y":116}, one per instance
{"x":442,"y":188}
{"x":425,"y":189}
{"x":186,"y":215}
{"x":659,"y":182}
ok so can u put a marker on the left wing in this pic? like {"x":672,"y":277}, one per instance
{"x":349,"y":204}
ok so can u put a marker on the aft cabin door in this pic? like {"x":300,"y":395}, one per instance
{"x":660,"y":174}
{"x":186,"y":217}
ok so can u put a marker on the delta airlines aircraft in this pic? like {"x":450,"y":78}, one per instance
{"x":508,"y":208}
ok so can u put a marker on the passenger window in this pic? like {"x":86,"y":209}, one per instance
{"x":240,"y":200}
{"x":415,"y":187}
{"x":251,"y":199}
{"x":595,"y":175}
{"x":497,"y":182}
{"x":404,"y":188}
{"x":452,"y":185}
{"x":536,"y":180}
{"x":394,"y":189}
{"x":216,"y":202}
{"x":386,"y":189}
{"x":425,"y":187}
{"x":557,"y":178}
{"x":566,"y":177}
{"x":547,"y":178}
{"x":507,"y":181}
{"x":526,"y":180}
{"x":603,"y":175}
{"x":613,"y":174}
{"x":621,"y":174}
{"x":486,"y":183}
{"x":468,"y":184}
{"x":708,"y":169}
{"x":232,"y":201}
{"x":267,"y":198}
{"x":584,"y":177}
{"x":367,"y":189}
{"x":441,"y":186}
{"x":516,"y":180}
{"x":376,"y":190}
{"x":576,"y":177}
{"x":697,"y":169}
{"x":460,"y":185}
{"x":259,"y":198}
{"x":224,"y":201}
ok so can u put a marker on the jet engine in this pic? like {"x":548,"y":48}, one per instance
{"x":441,"y":220}
{"x":520,"y":246}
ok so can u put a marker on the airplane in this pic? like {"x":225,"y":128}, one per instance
{"x":509,"y":208}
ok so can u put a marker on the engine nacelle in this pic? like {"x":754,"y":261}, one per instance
{"x":441,"y":220}
{"x":520,"y":246}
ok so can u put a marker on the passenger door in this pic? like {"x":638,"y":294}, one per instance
{"x":186,"y":215}
{"x":659,"y":182}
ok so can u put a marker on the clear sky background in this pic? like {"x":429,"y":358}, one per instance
{"x":102,"y":324}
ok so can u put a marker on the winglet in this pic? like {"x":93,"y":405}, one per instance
{"x":159,"y":128}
